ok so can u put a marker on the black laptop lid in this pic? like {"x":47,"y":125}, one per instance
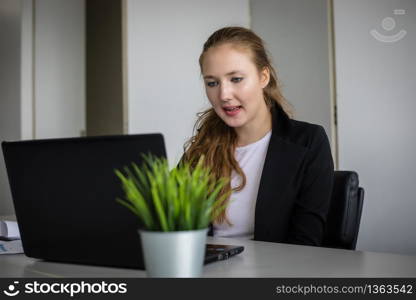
{"x":64,"y":193}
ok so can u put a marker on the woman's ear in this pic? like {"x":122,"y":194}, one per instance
{"x":265,"y":77}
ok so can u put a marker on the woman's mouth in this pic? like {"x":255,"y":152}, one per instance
{"x":232,"y":110}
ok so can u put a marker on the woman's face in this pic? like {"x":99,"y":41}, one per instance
{"x":234,"y":85}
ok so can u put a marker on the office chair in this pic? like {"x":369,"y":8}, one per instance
{"x":344,"y":216}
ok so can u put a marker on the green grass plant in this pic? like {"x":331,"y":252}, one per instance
{"x":184,"y":198}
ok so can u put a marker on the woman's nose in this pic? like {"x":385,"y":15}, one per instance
{"x":225,"y":92}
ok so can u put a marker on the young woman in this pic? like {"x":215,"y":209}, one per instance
{"x":281,"y":170}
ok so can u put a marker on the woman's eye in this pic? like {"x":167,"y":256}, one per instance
{"x":236,"y":79}
{"x":212,"y":83}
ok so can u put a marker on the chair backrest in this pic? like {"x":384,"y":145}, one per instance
{"x":344,"y":216}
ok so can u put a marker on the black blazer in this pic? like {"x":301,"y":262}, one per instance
{"x":296,"y":183}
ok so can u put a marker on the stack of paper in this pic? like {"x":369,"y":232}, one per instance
{"x":10,"y":242}
{"x":9,"y":230}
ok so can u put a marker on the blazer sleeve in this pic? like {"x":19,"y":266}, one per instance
{"x":312,"y":202}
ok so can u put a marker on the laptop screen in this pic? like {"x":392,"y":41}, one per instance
{"x":64,"y":193}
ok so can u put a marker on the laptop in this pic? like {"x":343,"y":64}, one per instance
{"x":64,"y":193}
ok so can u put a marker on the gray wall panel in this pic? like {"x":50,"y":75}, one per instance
{"x":296,"y":33}
{"x":376,"y":82}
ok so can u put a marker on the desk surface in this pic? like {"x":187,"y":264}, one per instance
{"x":259,"y":259}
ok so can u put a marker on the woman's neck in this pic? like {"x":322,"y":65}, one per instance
{"x":255,"y":130}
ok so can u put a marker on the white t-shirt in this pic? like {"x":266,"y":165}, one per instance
{"x":240,"y":211}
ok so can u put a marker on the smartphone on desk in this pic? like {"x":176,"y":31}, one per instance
{"x":221,"y":252}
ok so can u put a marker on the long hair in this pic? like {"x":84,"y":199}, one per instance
{"x":212,"y":137}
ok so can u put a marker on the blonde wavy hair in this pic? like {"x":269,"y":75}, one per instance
{"x":212,"y":137}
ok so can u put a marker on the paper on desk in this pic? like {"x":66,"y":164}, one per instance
{"x":9,"y":229}
{"x":11,"y":247}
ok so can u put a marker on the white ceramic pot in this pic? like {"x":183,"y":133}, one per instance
{"x":175,"y":253}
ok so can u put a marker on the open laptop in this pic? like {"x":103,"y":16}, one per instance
{"x":64,"y":193}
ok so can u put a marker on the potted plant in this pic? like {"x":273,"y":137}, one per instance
{"x":175,"y":207}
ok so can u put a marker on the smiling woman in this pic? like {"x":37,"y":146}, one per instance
{"x":281,"y":170}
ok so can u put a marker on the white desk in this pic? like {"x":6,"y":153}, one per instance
{"x":259,"y":259}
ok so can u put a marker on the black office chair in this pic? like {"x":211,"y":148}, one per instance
{"x":344,"y":216}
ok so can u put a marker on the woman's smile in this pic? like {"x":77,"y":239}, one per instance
{"x":232,"y":111}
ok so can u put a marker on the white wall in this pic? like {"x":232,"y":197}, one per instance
{"x":59,"y":68}
{"x":165,"y":39}
{"x":376,"y":105}
{"x":10,"y":46}
{"x":296,"y":34}
{"x":26,"y":70}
